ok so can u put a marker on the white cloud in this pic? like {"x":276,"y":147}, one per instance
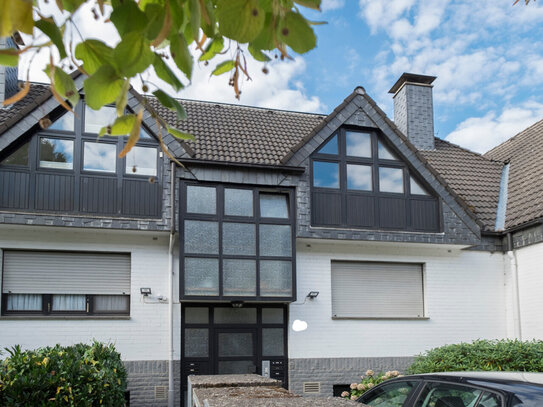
{"x":327,"y":5}
{"x":480,"y":134}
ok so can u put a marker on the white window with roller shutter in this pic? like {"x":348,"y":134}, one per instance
{"x":62,"y":282}
{"x":377,"y":290}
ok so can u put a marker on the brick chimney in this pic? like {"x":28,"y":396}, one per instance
{"x":8,"y":74}
{"x":414,"y":110}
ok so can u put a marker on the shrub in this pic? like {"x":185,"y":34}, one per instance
{"x":369,"y":380}
{"x":78,"y":375}
{"x":508,"y":355}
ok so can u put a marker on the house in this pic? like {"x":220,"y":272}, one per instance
{"x":407,"y":241}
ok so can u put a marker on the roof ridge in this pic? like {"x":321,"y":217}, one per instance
{"x":511,"y":139}
{"x":234,"y":105}
{"x":467,"y":150}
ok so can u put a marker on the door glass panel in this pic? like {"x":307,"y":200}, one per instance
{"x":489,"y":400}
{"x":445,"y":394}
{"x":18,"y":157}
{"x":275,"y":240}
{"x":389,"y":395}
{"x":196,"y":315}
{"x":384,"y":153}
{"x":325,"y":175}
{"x":201,"y":276}
{"x":69,"y":303}
{"x":416,"y":188}
{"x":275,"y":278}
{"x":359,"y":177}
{"x":238,"y":202}
{"x":65,"y":123}
{"x":225,"y":315}
{"x":273,"y":206}
{"x":24,"y":302}
{"x":239,"y":239}
{"x":272,"y":342}
{"x":56,"y":153}
{"x":201,"y":237}
{"x":239,"y":277}
{"x":391,"y":180}
{"x":100,"y":157}
{"x":330,"y":147}
{"x":235,"y":344}
{"x":196,"y":342}
{"x":237,"y":367}
{"x":272,"y":315}
{"x":358,"y":144}
{"x":201,"y":200}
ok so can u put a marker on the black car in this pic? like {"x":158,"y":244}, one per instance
{"x":459,"y":389}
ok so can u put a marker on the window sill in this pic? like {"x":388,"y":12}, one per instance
{"x":385,"y":318}
{"x":62,"y":317}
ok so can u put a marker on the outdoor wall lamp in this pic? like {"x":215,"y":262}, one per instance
{"x":312,"y":295}
{"x":237,"y":304}
{"x":145,"y":291}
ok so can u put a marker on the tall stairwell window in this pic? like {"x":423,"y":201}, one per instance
{"x":358,"y":180}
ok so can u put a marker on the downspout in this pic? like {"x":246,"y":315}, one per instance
{"x":512,"y":254}
{"x":171,"y":391}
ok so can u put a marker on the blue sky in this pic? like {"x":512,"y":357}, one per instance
{"x":487,"y":56}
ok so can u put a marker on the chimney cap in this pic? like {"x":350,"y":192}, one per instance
{"x":412,"y":78}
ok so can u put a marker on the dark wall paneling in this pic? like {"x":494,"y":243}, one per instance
{"x":425,"y":215}
{"x":360,"y":210}
{"x":327,"y":208}
{"x":14,"y":189}
{"x":141,"y":198}
{"x":98,"y":195}
{"x":54,"y":192}
{"x":392,"y":213}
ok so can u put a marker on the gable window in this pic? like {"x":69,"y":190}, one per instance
{"x":56,"y":153}
{"x":100,"y":157}
{"x":237,"y":243}
{"x":18,"y":157}
{"x":142,"y":161}
{"x":359,"y":181}
{"x":65,"y":283}
{"x":377,"y":290}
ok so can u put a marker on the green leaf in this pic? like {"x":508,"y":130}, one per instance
{"x":71,"y":5}
{"x":15,"y":15}
{"x":295,"y":31}
{"x":212,"y":49}
{"x":266,"y":38}
{"x":224,"y":67}
{"x":122,"y":100}
{"x":181,"y":54}
{"x":195,"y":16}
{"x":171,"y":104}
{"x":258,"y":55}
{"x":164,"y":72}
{"x":178,"y":14}
{"x":49,"y":28}
{"x":132,"y":54}
{"x":209,"y":27}
{"x":155,"y":18}
{"x":65,"y":86}
{"x":123,"y":125}
{"x":102,"y":87}
{"x":94,"y":54}
{"x":179,"y":134}
{"x":314,"y":4}
{"x":9,"y":57}
{"x":128,"y":17}
{"x":240,"y":20}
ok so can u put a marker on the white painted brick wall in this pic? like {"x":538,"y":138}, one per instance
{"x":464,"y":297}
{"x":530,"y":271}
{"x":144,"y":336}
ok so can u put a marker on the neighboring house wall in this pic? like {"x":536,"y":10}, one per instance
{"x":464,"y":300}
{"x":142,"y":339}
{"x":530,"y":287}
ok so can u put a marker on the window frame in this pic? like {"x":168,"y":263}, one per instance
{"x":221,"y":218}
{"x":342,"y":159}
{"x":484,"y":390}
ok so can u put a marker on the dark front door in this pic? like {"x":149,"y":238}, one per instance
{"x":235,"y":351}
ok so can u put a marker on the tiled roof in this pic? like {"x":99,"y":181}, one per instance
{"x":240,"y":134}
{"x":10,"y":115}
{"x":474,"y":178}
{"x":525,"y":188}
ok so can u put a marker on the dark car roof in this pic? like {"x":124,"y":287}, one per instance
{"x":503,"y":377}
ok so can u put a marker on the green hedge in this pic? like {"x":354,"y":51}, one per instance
{"x":79,"y":375}
{"x":493,"y":355}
